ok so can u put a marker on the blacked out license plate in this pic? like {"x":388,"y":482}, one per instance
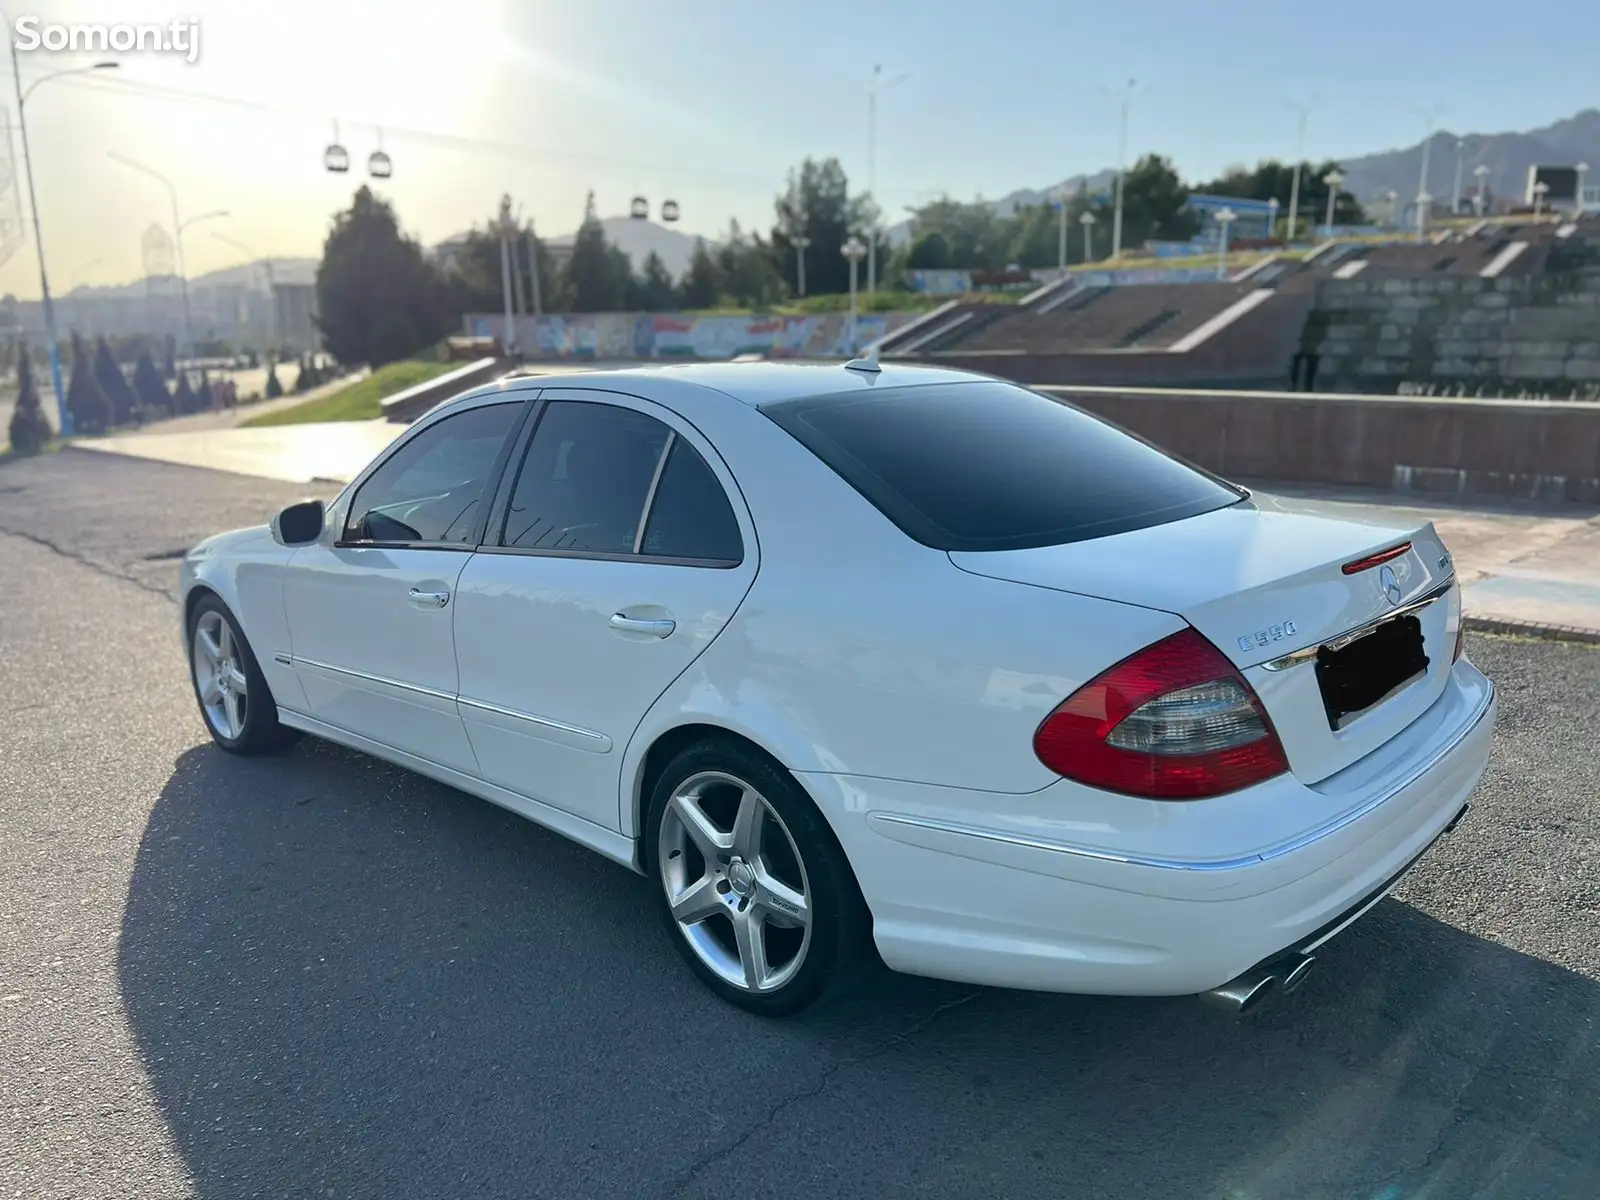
{"x":1371,"y":668}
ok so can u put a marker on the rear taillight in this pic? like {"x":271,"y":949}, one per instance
{"x":1176,"y":721}
{"x":1454,"y":627}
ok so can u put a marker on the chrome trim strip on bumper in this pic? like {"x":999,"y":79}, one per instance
{"x":1227,"y":864}
{"x":1296,"y":657}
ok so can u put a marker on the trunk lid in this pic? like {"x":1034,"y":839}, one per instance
{"x":1261,"y":580}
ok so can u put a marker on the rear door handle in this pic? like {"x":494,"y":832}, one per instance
{"x":661,"y":627}
{"x":424,"y":599}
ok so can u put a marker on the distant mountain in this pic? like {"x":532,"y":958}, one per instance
{"x":1508,"y":156}
{"x":248,"y":275}
{"x":636,"y":239}
{"x":1101,"y":181}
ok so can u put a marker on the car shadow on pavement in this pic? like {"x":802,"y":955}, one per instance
{"x":345,"y":980}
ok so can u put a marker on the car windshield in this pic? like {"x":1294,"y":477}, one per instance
{"x":991,"y":466}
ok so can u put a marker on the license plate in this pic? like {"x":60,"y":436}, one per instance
{"x":1370,"y":669}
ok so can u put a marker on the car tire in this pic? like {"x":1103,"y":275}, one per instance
{"x":235,"y":702}
{"x":721,"y":894}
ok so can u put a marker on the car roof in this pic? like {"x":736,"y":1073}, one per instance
{"x":757,"y":384}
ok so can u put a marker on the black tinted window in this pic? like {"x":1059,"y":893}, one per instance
{"x":431,"y":489}
{"x":691,"y":516}
{"x":990,"y":466}
{"x":585,"y":479}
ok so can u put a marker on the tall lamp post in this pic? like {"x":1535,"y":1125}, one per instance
{"x":1424,"y":207}
{"x":801,"y":245}
{"x":1123,"y":98}
{"x":1272,"y":218}
{"x":1455,"y":199}
{"x":1087,"y":221}
{"x":1582,"y":169}
{"x":1481,"y":200}
{"x":854,"y":251}
{"x":1061,"y":207}
{"x":178,"y":226}
{"x":1431,"y":117}
{"x":1225,"y":217}
{"x":64,"y":418}
{"x":1333,"y":179}
{"x":873,"y":88}
{"x":1539,"y":190}
{"x":1303,"y":110}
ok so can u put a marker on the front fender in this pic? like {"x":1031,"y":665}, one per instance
{"x":245,"y":568}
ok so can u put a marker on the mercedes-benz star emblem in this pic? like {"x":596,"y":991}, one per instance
{"x":1390,"y":585}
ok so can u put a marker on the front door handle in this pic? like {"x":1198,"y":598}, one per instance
{"x":661,"y":627}
{"x":424,"y":599}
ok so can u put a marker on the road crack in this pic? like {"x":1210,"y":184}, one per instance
{"x":94,"y":564}
{"x":713,"y":1157}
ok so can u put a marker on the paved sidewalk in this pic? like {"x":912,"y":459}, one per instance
{"x":1523,"y":569}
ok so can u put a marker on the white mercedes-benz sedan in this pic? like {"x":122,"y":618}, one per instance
{"x":854,"y":659}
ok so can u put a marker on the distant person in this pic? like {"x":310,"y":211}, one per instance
{"x":1296,"y":366}
{"x":1311,"y":371}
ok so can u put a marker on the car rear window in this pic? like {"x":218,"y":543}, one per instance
{"x":992,"y":466}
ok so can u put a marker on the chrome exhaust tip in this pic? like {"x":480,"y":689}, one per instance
{"x":1244,"y":993}
{"x":1297,"y":972}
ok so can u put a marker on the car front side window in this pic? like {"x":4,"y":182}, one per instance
{"x":431,"y":490}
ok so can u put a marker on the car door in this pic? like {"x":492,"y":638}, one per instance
{"x":620,"y":549}
{"x":369,"y":608}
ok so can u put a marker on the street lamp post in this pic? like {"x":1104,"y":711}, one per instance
{"x":1393,"y":199}
{"x":1061,"y":205}
{"x":854,"y":251}
{"x":1582,"y":169}
{"x":1431,"y":117}
{"x":1272,"y":218}
{"x":1539,"y":190}
{"x":1481,"y":200}
{"x":1087,"y":221}
{"x":178,"y":226}
{"x":873,"y":88}
{"x":1333,"y":179}
{"x":1424,"y":205}
{"x":1455,"y":201}
{"x":64,"y":418}
{"x":1225,"y":218}
{"x":1303,"y":109}
{"x":1123,"y":98}
{"x":801,"y":244}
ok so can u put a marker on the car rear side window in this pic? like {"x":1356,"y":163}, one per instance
{"x":992,"y":466}
{"x":690,"y":516}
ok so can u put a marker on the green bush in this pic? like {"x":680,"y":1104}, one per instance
{"x":274,"y":388}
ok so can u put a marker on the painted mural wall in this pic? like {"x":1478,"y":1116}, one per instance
{"x":669,"y":335}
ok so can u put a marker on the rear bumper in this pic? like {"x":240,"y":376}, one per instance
{"x":982,"y":887}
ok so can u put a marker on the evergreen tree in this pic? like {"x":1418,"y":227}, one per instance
{"x":115,"y":385}
{"x":169,"y":366}
{"x":30,"y":428}
{"x":154,"y":399}
{"x":592,"y":279}
{"x":274,"y":388}
{"x":657,"y":291}
{"x":205,"y":401}
{"x":702,"y":283}
{"x":88,"y":404}
{"x":183,"y":398}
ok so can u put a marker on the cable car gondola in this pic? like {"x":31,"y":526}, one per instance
{"x":336,"y":158}
{"x":639,"y":210}
{"x":669,"y":211}
{"x":378,"y":164}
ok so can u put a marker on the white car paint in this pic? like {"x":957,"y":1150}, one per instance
{"x":901,"y":686}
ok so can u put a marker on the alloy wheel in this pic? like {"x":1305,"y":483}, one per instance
{"x":219,"y":675}
{"x":735,"y":881}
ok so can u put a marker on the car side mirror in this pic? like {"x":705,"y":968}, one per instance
{"x":299,"y":524}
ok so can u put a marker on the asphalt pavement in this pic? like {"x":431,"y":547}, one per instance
{"x":318,"y":975}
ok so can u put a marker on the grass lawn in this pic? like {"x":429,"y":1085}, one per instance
{"x":362,"y":400}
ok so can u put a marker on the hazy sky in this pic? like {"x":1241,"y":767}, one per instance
{"x":711,"y":103}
